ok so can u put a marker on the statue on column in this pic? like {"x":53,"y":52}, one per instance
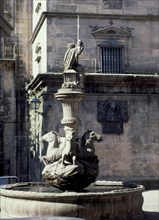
{"x":71,"y":162}
{"x":71,"y":55}
{"x":73,"y":71}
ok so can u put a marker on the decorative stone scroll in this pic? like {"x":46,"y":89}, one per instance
{"x":112,"y":114}
{"x":112,"y":4}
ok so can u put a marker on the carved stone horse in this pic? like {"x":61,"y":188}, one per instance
{"x":69,"y":153}
{"x":55,"y":147}
{"x":87,"y":143}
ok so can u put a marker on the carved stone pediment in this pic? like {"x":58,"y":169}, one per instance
{"x":111,"y":32}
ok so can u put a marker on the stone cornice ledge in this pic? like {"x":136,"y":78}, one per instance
{"x":88,"y":15}
{"x":45,"y":79}
{"x":105,"y":78}
{"x":96,"y":80}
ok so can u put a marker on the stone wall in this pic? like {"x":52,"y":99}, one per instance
{"x":135,"y":23}
{"x":141,"y":47}
{"x":131,"y":155}
{"x":7,"y":118}
{"x":15,"y":71}
{"x":141,"y":7}
{"x":23,"y":28}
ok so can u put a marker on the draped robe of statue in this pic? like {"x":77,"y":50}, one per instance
{"x":71,"y":55}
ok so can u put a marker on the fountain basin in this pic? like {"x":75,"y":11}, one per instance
{"x":101,"y":201}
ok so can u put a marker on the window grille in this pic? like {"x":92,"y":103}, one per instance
{"x":111,"y":59}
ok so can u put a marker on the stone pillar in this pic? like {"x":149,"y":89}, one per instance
{"x":70,"y":95}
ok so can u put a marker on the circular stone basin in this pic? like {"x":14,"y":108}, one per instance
{"x":102,"y":200}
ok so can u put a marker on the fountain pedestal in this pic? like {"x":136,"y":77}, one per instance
{"x":78,"y":166}
{"x":70,"y":99}
{"x":70,"y":95}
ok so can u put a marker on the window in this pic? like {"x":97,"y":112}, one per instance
{"x":111,"y":56}
{"x":38,"y":56}
{"x":112,"y":53}
{"x":38,"y":7}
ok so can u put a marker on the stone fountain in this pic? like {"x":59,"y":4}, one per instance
{"x":71,"y":168}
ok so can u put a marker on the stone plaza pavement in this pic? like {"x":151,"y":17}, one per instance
{"x":151,"y":205}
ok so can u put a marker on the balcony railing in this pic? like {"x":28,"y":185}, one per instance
{"x":7,"y":48}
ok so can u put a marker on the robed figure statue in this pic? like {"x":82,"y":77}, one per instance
{"x":71,"y":55}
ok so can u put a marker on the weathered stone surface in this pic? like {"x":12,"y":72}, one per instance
{"x":112,"y":4}
{"x":139,"y":60}
{"x":94,"y":204}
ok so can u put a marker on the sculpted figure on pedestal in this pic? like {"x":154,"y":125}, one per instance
{"x":73,"y":71}
{"x":71,"y":55}
{"x":69,"y":152}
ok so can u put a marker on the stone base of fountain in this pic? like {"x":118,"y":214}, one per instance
{"x":101,"y":201}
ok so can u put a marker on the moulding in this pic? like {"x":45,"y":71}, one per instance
{"x":110,"y":32}
{"x":103,"y":83}
{"x":44,"y":15}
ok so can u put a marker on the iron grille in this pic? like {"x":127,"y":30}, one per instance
{"x":111,"y":59}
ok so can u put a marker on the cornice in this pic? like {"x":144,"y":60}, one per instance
{"x":120,"y":78}
{"x":110,"y":32}
{"x":45,"y":14}
{"x":102,"y":83}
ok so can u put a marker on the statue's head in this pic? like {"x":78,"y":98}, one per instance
{"x":70,"y":133}
{"x":50,"y":136}
{"x":79,"y":43}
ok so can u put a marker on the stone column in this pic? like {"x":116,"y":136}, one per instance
{"x":70,"y":95}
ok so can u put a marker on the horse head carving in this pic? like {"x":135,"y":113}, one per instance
{"x":87,"y":142}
